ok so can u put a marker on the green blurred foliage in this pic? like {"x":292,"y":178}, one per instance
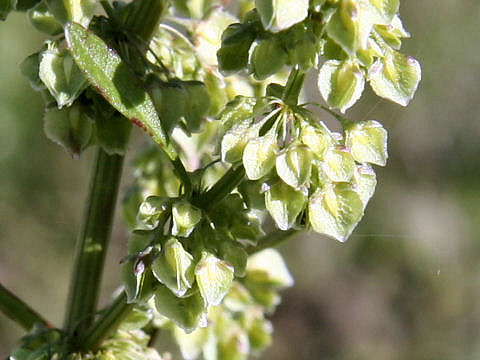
{"x":405,"y":286}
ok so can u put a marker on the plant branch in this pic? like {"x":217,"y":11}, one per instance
{"x":18,"y":311}
{"x":272,"y":239}
{"x":293,"y":87}
{"x":107,"y":323}
{"x":222,"y":188}
{"x":92,"y":243}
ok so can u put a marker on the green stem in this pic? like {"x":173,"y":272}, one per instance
{"x":293,"y":87}
{"x":107,"y":323}
{"x":18,"y":311}
{"x":222,"y":188}
{"x":272,"y":239}
{"x":94,"y":237}
{"x":342,"y":120}
{"x":183,"y":175}
{"x":92,"y":243}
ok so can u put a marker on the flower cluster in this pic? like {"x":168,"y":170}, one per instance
{"x":309,"y":174}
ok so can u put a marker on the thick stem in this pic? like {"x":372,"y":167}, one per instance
{"x":18,"y":311}
{"x":92,"y":243}
{"x":94,"y":237}
{"x":107,"y":323}
{"x":222,"y":188}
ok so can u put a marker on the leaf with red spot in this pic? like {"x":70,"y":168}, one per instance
{"x":107,"y":73}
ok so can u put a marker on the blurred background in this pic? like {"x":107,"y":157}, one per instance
{"x":407,"y":283}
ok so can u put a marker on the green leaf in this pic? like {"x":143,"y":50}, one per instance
{"x":214,"y":278}
{"x":396,"y":77}
{"x":188,"y":313}
{"x":43,"y":20}
{"x":234,"y":254}
{"x":170,"y":100}
{"x":30,"y":67}
{"x":278,"y":15}
{"x":184,"y":218}
{"x":237,"y":119}
{"x":364,"y":181}
{"x":150,"y":211}
{"x":340,"y":83}
{"x":113,"y":79}
{"x":197,"y":105}
{"x":113,"y":134}
{"x":234,"y":52}
{"x":383,"y":11}
{"x":318,"y":140}
{"x":339,"y":165}
{"x":6,"y":6}
{"x":294,"y":165}
{"x":61,"y":75}
{"x":335,"y":212}
{"x":78,"y":11}
{"x":393,"y":33}
{"x":259,"y":155}
{"x":132,"y":279}
{"x":268,"y":58}
{"x":350,"y":26}
{"x":69,"y":128}
{"x":367,"y":141}
{"x":137,"y":319}
{"x":191,"y":344}
{"x":284,"y":204}
{"x":174,"y":268}
{"x":267,"y":267}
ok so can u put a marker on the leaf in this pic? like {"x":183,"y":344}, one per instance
{"x":190,"y":344}
{"x":150,"y":211}
{"x":340,"y":83}
{"x":174,"y":268}
{"x":113,"y":133}
{"x":169,"y":99}
{"x":78,"y":11}
{"x":197,"y":104}
{"x":234,"y":51}
{"x":259,"y":155}
{"x":350,"y":26}
{"x":294,"y":166}
{"x":30,"y":67}
{"x":237,"y":118}
{"x":234,"y":254}
{"x":367,"y":141}
{"x":364,"y":181}
{"x":184,"y":218}
{"x":61,"y":76}
{"x":278,"y":15}
{"x":284,"y":204}
{"x":188,"y":313}
{"x":69,"y":128}
{"x":383,"y":11}
{"x":43,"y":20}
{"x":6,"y":6}
{"x":132,"y":280}
{"x":319,"y":141}
{"x":335,"y":212}
{"x":111,"y":77}
{"x":268,"y":58}
{"x":214,"y":278}
{"x":268,"y":268}
{"x":339,"y":165}
{"x":396,"y":77}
